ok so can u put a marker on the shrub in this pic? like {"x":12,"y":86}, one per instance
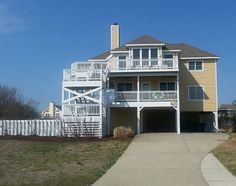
{"x":123,"y":132}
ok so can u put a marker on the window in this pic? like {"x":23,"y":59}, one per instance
{"x":144,"y":53}
{"x":136,"y":54}
{"x":195,"y":65}
{"x":195,"y":93}
{"x":147,"y":56}
{"x":168,"y":56}
{"x":136,"y":57}
{"x":124,"y":86}
{"x":154,"y":61}
{"x":153,"y":53}
{"x":167,"y":86}
{"x":168,"y":60}
{"x":122,"y":62}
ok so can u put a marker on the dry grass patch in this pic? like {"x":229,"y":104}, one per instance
{"x":57,"y":162}
{"x":226,"y":153}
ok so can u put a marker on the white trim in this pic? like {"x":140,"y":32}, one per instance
{"x":171,"y":50}
{"x":95,"y":60}
{"x":195,"y":66}
{"x":114,"y":52}
{"x":140,"y":45}
{"x":199,"y":57}
{"x":203,"y":89}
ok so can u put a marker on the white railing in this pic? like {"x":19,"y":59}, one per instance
{"x":73,"y":75}
{"x":85,"y":71}
{"x":117,"y":96}
{"x":81,"y":110}
{"x":84,"y":66}
{"x":144,"y":96}
{"x":145,"y":64}
{"x":157,"y":96}
{"x":73,"y":128}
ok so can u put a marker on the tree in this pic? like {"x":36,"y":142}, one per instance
{"x":234,"y":102}
{"x":12,"y":105}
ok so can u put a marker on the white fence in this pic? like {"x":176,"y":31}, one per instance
{"x":49,"y":128}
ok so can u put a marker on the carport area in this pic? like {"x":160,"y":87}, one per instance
{"x":158,"y":120}
{"x":197,"y":122}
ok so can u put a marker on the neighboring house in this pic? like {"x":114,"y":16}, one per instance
{"x":147,"y":84}
{"x":52,"y":111}
{"x":227,"y":117}
{"x":227,"y":111}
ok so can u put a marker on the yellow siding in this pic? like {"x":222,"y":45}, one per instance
{"x":206,"y":78}
{"x":123,"y":117}
{"x":155,"y":81}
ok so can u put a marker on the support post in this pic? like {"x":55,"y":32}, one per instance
{"x":138,"y":86}
{"x":178,"y":108}
{"x":138,"y":107}
{"x":138,"y":120}
{"x":108,"y":114}
{"x":216,"y":121}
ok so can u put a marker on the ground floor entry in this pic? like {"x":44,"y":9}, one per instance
{"x":162,"y":120}
{"x":158,"y":120}
{"x":198,"y":122}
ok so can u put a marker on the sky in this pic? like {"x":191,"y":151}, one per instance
{"x":40,"y":38}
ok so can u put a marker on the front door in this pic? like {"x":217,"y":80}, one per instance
{"x":146,"y":86}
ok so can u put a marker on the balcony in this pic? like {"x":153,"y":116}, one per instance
{"x":142,"y":96}
{"x":144,"y":65}
{"x":85,"y":71}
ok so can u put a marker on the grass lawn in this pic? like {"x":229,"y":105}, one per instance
{"x":57,"y":161}
{"x":226,"y":153}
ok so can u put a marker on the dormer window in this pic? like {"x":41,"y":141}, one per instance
{"x":122,"y":62}
{"x":168,"y":60}
{"x":168,"y":56}
{"x":144,"y":57}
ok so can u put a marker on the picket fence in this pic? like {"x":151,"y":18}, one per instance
{"x":49,"y":128}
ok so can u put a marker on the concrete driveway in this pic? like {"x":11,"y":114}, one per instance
{"x":162,"y":159}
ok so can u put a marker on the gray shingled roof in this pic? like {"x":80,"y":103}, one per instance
{"x":227,"y":107}
{"x":189,"y":51}
{"x":122,"y":48}
{"x":145,"y":39}
{"x":186,"y":50}
{"x":101,"y":56}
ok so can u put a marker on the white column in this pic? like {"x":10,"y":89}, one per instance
{"x":101,"y":107}
{"x":216,"y":121}
{"x":138,"y":84}
{"x":62,"y":100}
{"x":138,"y":107}
{"x":108,"y":120}
{"x":159,"y":57}
{"x":178,"y":108}
{"x":138,"y":120}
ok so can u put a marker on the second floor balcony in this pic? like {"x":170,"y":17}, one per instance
{"x":119,"y":65}
{"x":142,"y":96}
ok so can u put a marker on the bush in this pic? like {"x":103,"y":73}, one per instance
{"x":123,"y":132}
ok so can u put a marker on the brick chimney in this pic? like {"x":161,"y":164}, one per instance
{"x":115,"y":36}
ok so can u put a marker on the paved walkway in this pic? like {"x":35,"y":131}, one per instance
{"x":215,"y":173}
{"x":162,"y":159}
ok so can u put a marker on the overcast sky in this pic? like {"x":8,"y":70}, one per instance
{"x":39,"y":38}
